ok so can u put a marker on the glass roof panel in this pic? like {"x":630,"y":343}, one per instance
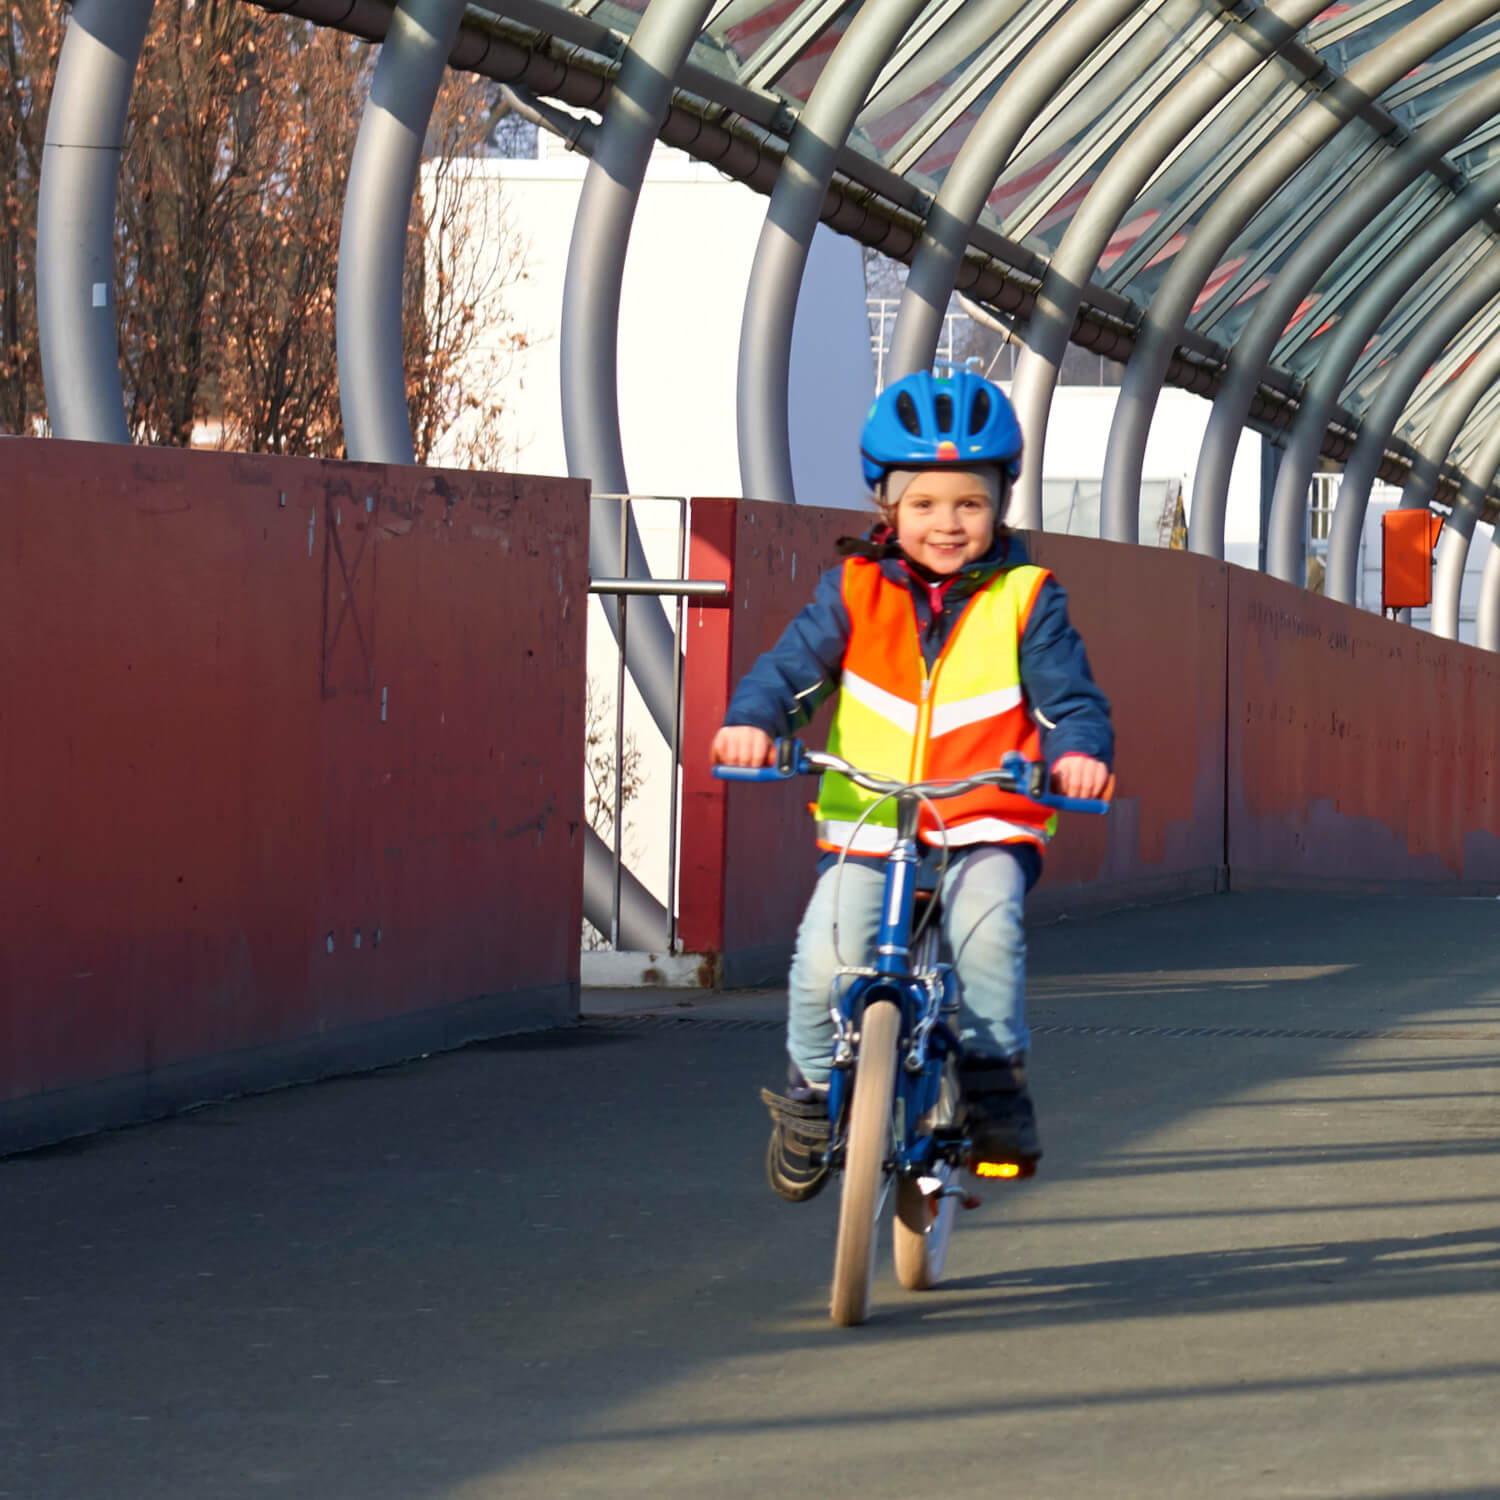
{"x":1436,"y":382}
{"x":920,"y":134}
{"x":958,"y":53}
{"x":1434,"y":285}
{"x":1121,"y":82}
{"x":1327,"y":297}
{"x":1479,"y":426}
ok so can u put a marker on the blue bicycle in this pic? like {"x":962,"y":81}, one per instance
{"x":893,"y":1097}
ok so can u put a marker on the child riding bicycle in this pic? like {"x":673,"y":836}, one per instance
{"x":947,"y":649}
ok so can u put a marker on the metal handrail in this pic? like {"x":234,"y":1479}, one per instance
{"x":672,"y":588}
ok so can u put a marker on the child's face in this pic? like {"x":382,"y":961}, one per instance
{"x":945,"y":518}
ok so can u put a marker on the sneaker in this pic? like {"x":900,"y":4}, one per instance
{"x":796,"y":1164}
{"x":998,"y":1116}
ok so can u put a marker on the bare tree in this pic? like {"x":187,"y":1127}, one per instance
{"x":29,"y":50}
{"x":462,"y":254}
{"x":237,"y":149}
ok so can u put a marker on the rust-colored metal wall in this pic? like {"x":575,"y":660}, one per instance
{"x":748,"y":859}
{"x":1361,"y":752}
{"x":290,"y":770}
{"x":1155,"y":625}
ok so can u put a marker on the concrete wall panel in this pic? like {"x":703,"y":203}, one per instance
{"x":290,"y":751}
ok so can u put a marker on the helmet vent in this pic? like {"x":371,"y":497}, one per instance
{"x":944,"y":406}
{"x":906,"y":414}
{"x":979,"y":412}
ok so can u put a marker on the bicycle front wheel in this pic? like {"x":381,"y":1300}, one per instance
{"x":869,"y":1146}
{"x":924,"y":1220}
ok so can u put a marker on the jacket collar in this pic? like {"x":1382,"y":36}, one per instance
{"x":879,"y":545}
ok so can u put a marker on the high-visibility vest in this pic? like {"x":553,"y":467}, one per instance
{"x":895,"y":717}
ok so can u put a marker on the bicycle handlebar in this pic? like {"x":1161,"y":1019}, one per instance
{"x":1026,"y":778}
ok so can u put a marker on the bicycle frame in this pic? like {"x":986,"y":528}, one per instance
{"x":919,"y":1078}
{"x":927,"y":1041}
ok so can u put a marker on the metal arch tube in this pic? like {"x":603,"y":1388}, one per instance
{"x":1284,"y":534}
{"x":765,"y":355}
{"x":372,"y":240}
{"x":590,"y":331}
{"x":1380,"y":421}
{"x":1101,"y":212}
{"x":974,"y":171}
{"x":1458,"y":536}
{"x":1320,"y":120}
{"x":1487,"y":618}
{"x":589,"y":352}
{"x":1432,"y":450}
{"x":588,"y":340}
{"x":75,"y":225}
{"x":1330,"y":237}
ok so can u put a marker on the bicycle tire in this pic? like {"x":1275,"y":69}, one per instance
{"x":922,"y":1227}
{"x":869,"y":1146}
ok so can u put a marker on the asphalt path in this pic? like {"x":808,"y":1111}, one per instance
{"x":1262,"y":1257}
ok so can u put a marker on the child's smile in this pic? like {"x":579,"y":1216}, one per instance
{"x":945,"y":519}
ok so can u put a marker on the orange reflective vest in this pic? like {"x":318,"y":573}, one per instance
{"x":897,"y":718}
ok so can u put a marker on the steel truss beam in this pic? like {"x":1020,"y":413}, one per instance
{"x":1166,"y":317}
{"x":765,"y":357}
{"x":75,"y":228}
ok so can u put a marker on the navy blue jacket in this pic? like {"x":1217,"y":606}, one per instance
{"x":783,"y":689}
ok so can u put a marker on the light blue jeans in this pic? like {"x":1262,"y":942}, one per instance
{"x":982,"y":892}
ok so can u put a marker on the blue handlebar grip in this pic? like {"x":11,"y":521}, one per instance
{"x":1075,"y":804}
{"x":748,"y":773}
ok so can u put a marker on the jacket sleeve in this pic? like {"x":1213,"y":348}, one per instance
{"x":1070,"y":709}
{"x":782,"y":691}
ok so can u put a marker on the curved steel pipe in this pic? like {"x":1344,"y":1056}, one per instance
{"x":765,"y":358}
{"x":1432,"y":449}
{"x":1458,"y":536}
{"x":1323,"y":116}
{"x":372,"y":240}
{"x":588,"y":344}
{"x":1278,"y":303}
{"x":1284,"y":533}
{"x":75,"y":220}
{"x":974,"y":171}
{"x":1382,"y":417}
{"x":1099,"y":215}
{"x":589,"y":352}
{"x":1487,"y":617}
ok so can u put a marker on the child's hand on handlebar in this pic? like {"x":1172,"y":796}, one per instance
{"x":742,"y":745}
{"x":1080,"y":776}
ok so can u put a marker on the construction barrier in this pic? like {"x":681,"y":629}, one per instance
{"x":292,"y":771}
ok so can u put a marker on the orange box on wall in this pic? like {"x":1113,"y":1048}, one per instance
{"x":1407,"y":538}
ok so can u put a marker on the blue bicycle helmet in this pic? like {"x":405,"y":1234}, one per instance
{"x":926,"y":421}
